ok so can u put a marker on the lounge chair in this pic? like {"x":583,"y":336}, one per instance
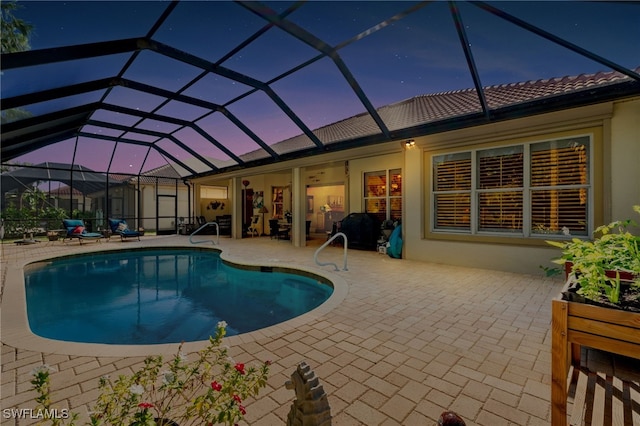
{"x":76,"y":229}
{"x":120,"y":227}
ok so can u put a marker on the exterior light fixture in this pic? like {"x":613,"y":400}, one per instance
{"x":409,"y":143}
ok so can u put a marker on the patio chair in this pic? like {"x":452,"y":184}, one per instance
{"x":120,"y":227}
{"x":77,"y":229}
{"x":274,"y":229}
{"x":253,"y":229}
{"x":277,"y":230}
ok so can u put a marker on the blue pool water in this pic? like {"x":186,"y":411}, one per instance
{"x":160,"y":296}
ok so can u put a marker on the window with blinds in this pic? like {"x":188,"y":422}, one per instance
{"x":452,"y":189}
{"x":500,"y":178}
{"x":213,"y":192}
{"x":560,"y":186}
{"x":527,"y":189}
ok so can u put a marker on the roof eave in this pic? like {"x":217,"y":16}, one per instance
{"x":608,"y":93}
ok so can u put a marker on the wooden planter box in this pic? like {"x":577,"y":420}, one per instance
{"x":574,"y":324}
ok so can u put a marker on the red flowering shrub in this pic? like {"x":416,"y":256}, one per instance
{"x":209,"y":390}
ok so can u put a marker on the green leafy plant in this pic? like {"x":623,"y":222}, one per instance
{"x":53,"y":217}
{"x":32,"y":216}
{"x":208,"y":389}
{"x":597,"y":265}
{"x":41,"y":384}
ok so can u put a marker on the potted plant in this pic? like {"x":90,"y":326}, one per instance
{"x":606,"y":270}
{"x":601,"y":274}
{"x":208,"y":389}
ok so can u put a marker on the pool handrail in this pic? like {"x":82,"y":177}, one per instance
{"x":206,"y":241}
{"x":338,"y":234}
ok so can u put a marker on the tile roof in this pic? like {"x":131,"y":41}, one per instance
{"x":64,"y":190}
{"x":438,"y":106}
{"x":445,"y":105}
{"x":163,"y":175}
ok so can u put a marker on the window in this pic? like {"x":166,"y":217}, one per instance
{"x":560,"y":186}
{"x":278,"y":201}
{"x":500,"y":174}
{"x":522,"y":190}
{"x":452,"y":191}
{"x":213,"y":191}
{"x":381,"y":199}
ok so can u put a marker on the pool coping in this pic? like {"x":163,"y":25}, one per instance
{"x":17,"y":333}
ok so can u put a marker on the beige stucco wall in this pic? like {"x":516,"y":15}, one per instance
{"x":625,"y":159}
{"x":148,"y":195}
{"x":621,"y":167}
{"x":616,"y":160}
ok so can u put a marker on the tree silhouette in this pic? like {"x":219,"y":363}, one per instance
{"x":14,"y":37}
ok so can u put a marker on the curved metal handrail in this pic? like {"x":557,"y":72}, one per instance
{"x":206,"y":241}
{"x":315,"y":256}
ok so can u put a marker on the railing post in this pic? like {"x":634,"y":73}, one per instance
{"x":344,"y":238}
{"x":205,"y":241}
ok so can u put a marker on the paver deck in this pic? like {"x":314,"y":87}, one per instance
{"x":407,"y":341}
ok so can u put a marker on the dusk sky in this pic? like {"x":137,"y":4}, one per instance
{"x":418,"y":54}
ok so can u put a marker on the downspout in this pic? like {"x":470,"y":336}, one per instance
{"x":71,"y":193}
{"x":175,"y":207}
{"x":155,"y":189}
{"x":138,"y":204}
{"x":107,"y":201}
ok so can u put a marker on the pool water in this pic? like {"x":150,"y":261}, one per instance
{"x":160,"y":296}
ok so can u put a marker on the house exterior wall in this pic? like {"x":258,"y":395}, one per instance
{"x":625,"y":159}
{"x":149,"y":202}
{"x":615,"y":187}
{"x":614,"y":126}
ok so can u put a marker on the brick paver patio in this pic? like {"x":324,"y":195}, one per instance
{"x":409,"y":340}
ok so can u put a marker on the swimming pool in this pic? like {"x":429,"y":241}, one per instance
{"x":160,"y":296}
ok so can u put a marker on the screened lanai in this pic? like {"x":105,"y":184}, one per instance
{"x":182,"y":90}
